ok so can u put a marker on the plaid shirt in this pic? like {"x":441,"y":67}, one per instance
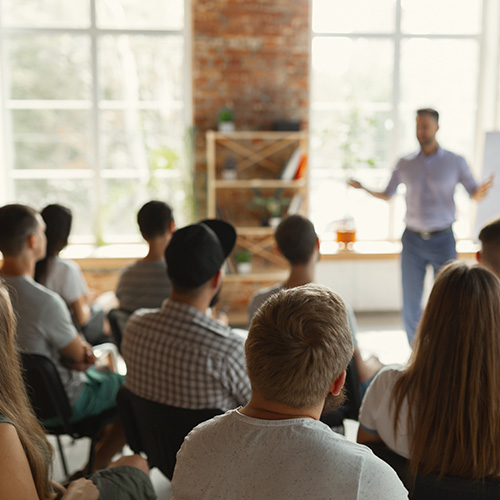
{"x":179,"y":356}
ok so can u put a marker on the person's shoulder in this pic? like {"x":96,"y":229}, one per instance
{"x":451,"y":156}
{"x":387,"y":376}
{"x":408,"y":158}
{"x":264,"y":293}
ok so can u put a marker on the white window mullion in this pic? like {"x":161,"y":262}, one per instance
{"x":396,"y":122}
{"x":96,"y":166}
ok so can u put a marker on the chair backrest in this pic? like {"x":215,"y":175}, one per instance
{"x":117,"y":321}
{"x":156,"y":429}
{"x":350,"y":409}
{"x":431,"y":487}
{"x":45,"y":389}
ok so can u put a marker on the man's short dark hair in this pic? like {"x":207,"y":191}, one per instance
{"x":429,"y":111}
{"x":17,"y":222}
{"x":296,"y":239}
{"x":154,"y":219}
{"x":489,"y":237}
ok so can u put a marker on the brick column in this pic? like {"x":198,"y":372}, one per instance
{"x":252,"y":56}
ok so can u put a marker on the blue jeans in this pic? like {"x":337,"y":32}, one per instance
{"x":417,"y":254}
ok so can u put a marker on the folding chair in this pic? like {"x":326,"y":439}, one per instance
{"x":117,"y":321}
{"x":156,"y":429}
{"x":48,"y":399}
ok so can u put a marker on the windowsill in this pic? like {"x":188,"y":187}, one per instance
{"x":383,"y":250}
{"x":361,"y":250}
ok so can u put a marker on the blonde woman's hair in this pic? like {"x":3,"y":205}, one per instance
{"x":452,"y":383}
{"x":299,"y":342}
{"x":14,"y":402}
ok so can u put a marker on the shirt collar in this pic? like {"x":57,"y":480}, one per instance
{"x":197,"y":317}
{"x":436,"y":154}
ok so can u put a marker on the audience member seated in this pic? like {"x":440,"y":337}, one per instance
{"x":26,"y":457}
{"x":45,"y":326}
{"x":177,"y":355}
{"x":65,"y":277}
{"x":489,"y":255}
{"x":145,"y":283}
{"x":442,"y":411}
{"x":298,"y":242}
{"x":297,"y":350}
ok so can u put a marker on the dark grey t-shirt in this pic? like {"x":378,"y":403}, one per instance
{"x":44,"y":327}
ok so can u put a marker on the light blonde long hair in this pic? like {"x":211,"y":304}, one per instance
{"x":452,"y":383}
{"x":14,"y":403}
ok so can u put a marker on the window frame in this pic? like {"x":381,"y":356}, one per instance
{"x":96,"y":170}
{"x":487,"y":117}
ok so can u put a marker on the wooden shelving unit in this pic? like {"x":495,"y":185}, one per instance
{"x":257,"y":160}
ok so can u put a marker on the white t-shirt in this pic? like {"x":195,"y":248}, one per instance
{"x":234,"y":456}
{"x":65,"y":278}
{"x":375,"y":415}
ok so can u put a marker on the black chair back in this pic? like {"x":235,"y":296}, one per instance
{"x":156,"y":429}
{"x":48,"y":399}
{"x":431,"y":487}
{"x":45,"y":389}
{"x":117,"y":321}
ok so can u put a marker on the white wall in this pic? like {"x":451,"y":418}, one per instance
{"x":367,"y":285}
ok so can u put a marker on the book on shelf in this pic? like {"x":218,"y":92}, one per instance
{"x":301,"y":169}
{"x":290,"y":168}
{"x":295,"y":204}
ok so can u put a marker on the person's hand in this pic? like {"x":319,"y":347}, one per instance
{"x":355,"y":184}
{"x":482,"y":191}
{"x":81,"y":489}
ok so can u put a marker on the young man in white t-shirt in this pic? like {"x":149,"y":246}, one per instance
{"x":275,"y":447}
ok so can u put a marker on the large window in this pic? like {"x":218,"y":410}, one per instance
{"x":95,"y":112}
{"x":373,"y":64}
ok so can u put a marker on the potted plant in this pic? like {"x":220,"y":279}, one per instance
{"x":243,"y":260}
{"x":225,"y":120}
{"x":271,"y":207}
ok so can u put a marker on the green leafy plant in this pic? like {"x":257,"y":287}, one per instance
{"x":243,"y":255}
{"x":225,"y":115}
{"x":270,"y":206}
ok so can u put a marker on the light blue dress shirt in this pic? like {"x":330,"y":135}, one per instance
{"x":430,"y":182}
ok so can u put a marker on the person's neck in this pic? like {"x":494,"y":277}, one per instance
{"x":431,"y":148}
{"x":18,"y":266}
{"x":200,"y":302}
{"x":300,"y":275}
{"x":156,"y":251}
{"x":264,"y":409}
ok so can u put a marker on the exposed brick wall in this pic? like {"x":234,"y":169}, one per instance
{"x":252,"y":56}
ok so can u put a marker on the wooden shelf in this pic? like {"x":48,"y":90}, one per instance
{"x":259,"y":183}
{"x":258,"y":159}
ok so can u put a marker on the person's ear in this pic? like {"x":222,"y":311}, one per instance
{"x":172,"y":226}
{"x":217,"y":279}
{"x":31,"y":240}
{"x":338,"y":383}
{"x":479,"y":256}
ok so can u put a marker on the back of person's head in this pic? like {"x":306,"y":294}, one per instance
{"x":296,"y":239}
{"x":428,"y":112}
{"x":453,"y":381}
{"x":17,"y":222}
{"x":489,"y":237}
{"x":299,"y":342}
{"x":197,"y":252}
{"x":154,"y":219}
{"x":58,"y":221}
{"x":14,"y":401}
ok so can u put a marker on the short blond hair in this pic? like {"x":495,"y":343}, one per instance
{"x":299,"y":342}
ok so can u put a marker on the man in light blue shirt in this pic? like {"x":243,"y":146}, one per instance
{"x":430,"y":176}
